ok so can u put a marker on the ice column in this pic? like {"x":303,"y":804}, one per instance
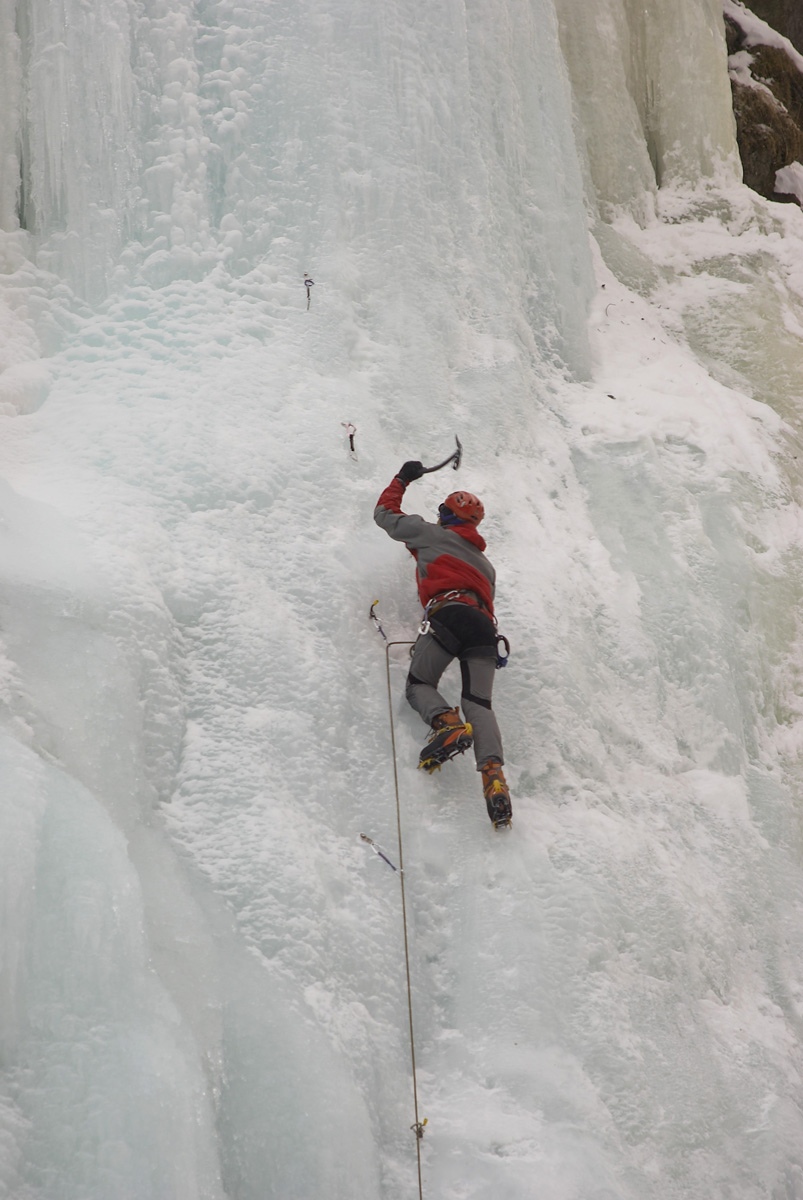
{"x":651,"y":88}
{"x":77,"y":148}
{"x":10,"y":106}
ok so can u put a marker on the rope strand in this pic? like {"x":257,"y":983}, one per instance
{"x":418,"y":1126}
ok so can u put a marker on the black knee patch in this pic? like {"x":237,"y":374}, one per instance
{"x":467,"y":693}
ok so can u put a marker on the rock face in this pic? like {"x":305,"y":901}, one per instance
{"x":767,"y":88}
{"x":785,"y":16}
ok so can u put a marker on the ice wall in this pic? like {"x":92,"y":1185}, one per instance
{"x":11,"y":93}
{"x":652,"y":95}
{"x":212,"y":132}
{"x":75,"y":154}
{"x":144,"y":1051}
{"x":124,"y":123}
{"x":202,"y":966}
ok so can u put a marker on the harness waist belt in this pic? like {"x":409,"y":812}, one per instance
{"x":456,"y":596}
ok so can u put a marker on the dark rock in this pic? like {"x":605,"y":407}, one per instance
{"x":768,"y":138}
{"x":784,"y":16}
{"x":769,"y":119}
{"x":734,"y":36}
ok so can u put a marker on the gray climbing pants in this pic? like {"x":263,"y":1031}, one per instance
{"x":430,"y":659}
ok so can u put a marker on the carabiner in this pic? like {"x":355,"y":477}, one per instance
{"x":501,"y":659}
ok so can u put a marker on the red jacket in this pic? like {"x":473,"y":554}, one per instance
{"x":447,"y":556}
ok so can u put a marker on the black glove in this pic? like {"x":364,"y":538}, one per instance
{"x":410,"y":471}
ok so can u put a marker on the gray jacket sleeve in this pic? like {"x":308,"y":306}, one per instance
{"x":401,"y":527}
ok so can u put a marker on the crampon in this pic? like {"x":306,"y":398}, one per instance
{"x":497,"y":795}
{"x":450,"y":736}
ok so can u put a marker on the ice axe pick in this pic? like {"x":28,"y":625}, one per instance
{"x":454,"y":459}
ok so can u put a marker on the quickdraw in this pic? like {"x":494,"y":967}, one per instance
{"x":376,"y":620}
{"x":501,"y":659}
{"x":377,"y":850}
{"x":424,"y":627}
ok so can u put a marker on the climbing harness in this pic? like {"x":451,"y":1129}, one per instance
{"x":457,"y":596}
{"x":376,"y":849}
{"x":350,"y":429}
{"x":418,"y":1124}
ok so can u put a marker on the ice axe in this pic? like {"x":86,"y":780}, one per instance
{"x":454,"y":459}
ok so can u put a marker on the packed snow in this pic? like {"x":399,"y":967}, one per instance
{"x":525,"y":227}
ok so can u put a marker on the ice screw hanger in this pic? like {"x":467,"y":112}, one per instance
{"x":350,"y":429}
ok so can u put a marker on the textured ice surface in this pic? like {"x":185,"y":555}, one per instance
{"x":201,"y":967}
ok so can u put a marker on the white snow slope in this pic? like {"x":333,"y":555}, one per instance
{"x":526,"y":227}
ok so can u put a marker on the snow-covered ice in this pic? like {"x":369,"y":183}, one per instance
{"x":525,"y":226}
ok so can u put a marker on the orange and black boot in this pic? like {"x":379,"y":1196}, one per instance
{"x":496,"y":793}
{"x":450,"y":736}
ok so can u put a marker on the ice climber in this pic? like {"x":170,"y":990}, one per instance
{"x":456,"y":585}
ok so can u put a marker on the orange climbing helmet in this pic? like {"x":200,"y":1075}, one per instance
{"x":463,"y":506}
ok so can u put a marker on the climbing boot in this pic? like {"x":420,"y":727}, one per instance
{"x":450,"y":736}
{"x":496,"y":793}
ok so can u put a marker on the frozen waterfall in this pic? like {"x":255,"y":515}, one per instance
{"x":526,"y":226}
